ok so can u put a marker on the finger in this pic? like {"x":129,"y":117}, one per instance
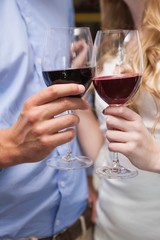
{"x":119,"y":124}
{"x":54,"y":92}
{"x":81,"y":59}
{"x":79,"y":52}
{"x":57,"y":107}
{"x":117,"y":136}
{"x":79,"y":45}
{"x":58,"y":139}
{"x":55,"y":125}
{"x":118,"y":147}
{"x":121,"y":111}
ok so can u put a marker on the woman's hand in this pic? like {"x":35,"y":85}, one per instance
{"x":128,"y":135}
{"x":38,"y":129}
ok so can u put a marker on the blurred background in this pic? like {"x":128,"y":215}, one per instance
{"x":88,"y":14}
{"x":105,"y":14}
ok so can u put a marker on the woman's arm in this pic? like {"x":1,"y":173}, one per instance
{"x":90,"y":137}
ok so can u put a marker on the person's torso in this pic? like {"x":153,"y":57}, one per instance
{"x":129,"y":209}
{"x":34,"y":199}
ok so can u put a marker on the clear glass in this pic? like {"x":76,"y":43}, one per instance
{"x":119,"y":68}
{"x":68,"y":59}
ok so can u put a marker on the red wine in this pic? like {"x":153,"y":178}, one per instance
{"x":80,"y":76}
{"x":117,"y":89}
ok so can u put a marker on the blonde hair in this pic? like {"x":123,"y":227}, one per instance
{"x":150,"y":39}
{"x":150,"y":35}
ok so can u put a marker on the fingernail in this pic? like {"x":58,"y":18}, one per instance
{"x":81,"y":88}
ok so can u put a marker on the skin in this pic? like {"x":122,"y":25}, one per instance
{"x":128,"y":135}
{"x":37,"y":132}
{"x":79,"y":60}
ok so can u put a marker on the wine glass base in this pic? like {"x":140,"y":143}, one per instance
{"x":74,"y":163}
{"x":118,"y":172}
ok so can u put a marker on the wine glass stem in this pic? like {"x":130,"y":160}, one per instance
{"x":68,"y":154}
{"x":69,"y":150}
{"x":115,"y":160}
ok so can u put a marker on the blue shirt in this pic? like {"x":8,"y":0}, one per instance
{"x":35,"y":200}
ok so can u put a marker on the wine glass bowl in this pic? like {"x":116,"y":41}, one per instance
{"x":67,"y":59}
{"x":118,"y":74}
{"x":117,"y":89}
{"x":68,"y":56}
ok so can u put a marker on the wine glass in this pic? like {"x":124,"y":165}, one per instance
{"x":67,"y":59}
{"x":119,"y":67}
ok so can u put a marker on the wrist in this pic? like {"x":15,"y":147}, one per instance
{"x":8,"y":151}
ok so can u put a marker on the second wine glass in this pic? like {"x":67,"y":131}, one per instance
{"x":68,"y":59}
{"x":119,"y":66}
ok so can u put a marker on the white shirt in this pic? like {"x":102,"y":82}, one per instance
{"x":129,"y":209}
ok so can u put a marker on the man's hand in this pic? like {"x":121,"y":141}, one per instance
{"x":37,"y":131}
